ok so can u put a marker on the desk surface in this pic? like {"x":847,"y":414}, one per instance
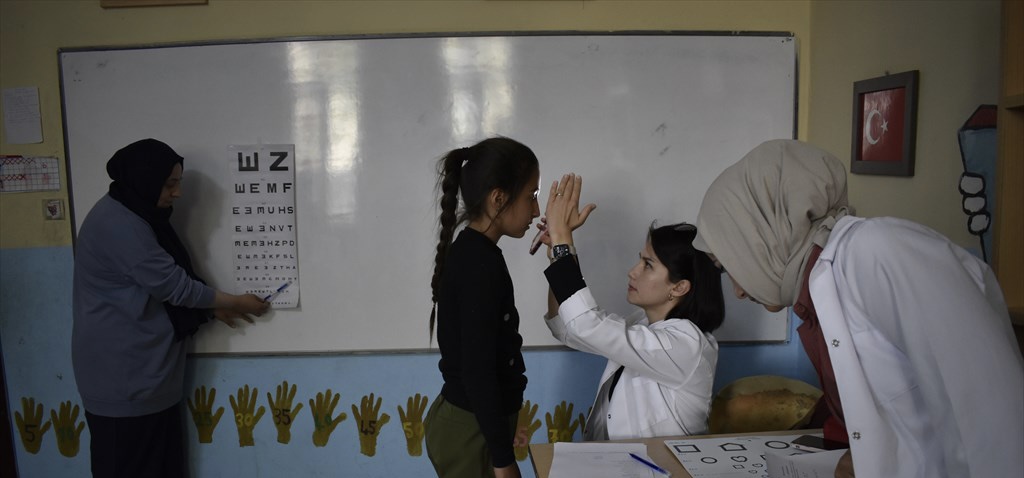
{"x":541,"y":454}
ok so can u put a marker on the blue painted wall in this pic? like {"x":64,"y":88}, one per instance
{"x":35,"y":331}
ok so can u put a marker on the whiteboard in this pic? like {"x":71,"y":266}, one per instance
{"x":649,"y":120}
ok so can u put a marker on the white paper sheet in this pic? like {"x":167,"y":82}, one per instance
{"x":29,"y":174}
{"x":599,"y":460}
{"x":262,"y":211}
{"x":730,"y":457}
{"x":21,"y":115}
{"x":811,"y":465}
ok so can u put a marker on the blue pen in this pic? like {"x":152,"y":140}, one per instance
{"x":276,"y":292}
{"x":651,"y":465}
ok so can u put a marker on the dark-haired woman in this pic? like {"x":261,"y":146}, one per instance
{"x":470,"y":427}
{"x":661,"y":359}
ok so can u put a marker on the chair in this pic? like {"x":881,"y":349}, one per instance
{"x":762,"y":403}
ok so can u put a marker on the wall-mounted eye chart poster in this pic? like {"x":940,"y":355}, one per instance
{"x":263,"y":235}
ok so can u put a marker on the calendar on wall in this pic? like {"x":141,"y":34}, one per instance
{"x":26,"y":174}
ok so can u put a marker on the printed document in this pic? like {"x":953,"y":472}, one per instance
{"x":599,"y":460}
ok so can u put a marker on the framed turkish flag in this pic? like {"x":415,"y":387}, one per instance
{"x":885,"y":125}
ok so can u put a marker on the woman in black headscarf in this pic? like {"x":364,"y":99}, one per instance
{"x":136,"y":299}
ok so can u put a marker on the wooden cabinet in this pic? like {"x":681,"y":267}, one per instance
{"x":1008,"y":260}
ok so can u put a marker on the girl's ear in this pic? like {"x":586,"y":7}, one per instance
{"x":681,"y":288}
{"x":496,"y":199}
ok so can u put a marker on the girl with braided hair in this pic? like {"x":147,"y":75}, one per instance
{"x":470,"y":427}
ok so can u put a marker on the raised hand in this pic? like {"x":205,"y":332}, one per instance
{"x":559,"y":427}
{"x":368,"y":423}
{"x":323,"y":410}
{"x":29,"y":425}
{"x":245,"y":420}
{"x":562,"y":212}
{"x":525,"y":427}
{"x":205,"y":421}
{"x":67,"y":428}
{"x":282,"y":411}
{"x":412,"y":424}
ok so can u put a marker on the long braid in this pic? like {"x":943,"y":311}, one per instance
{"x":449,"y":170}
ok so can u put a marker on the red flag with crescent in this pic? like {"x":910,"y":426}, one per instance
{"x":882,"y":136}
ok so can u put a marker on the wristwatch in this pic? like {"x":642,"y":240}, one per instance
{"x":559,"y":251}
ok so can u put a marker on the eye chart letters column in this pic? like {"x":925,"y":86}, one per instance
{"x":263,"y":221}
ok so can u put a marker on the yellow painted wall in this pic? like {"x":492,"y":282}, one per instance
{"x":31,"y":31}
{"x":955,"y":45}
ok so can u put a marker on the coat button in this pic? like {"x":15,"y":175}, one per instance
{"x":856,"y":435}
{"x":835,"y":342}
{"x":511,"y":362}
{"x":609,"y":416}
{"x":506,"y":317}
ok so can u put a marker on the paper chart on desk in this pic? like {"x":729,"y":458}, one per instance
{"x":820,"y":464}
{"x":598,"y":460}
{"x":730,"y":457}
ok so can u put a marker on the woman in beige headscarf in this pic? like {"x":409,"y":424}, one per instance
{"x":885,"y":303}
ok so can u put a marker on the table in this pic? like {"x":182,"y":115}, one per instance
{"x":541,"y":454}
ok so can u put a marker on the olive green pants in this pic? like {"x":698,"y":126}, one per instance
{"x":455,"y":445}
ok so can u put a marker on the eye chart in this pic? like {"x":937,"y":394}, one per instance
{"x":730,"y":457}
{"x":263,"y":234}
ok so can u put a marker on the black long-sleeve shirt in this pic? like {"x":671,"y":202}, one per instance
{"x":478,"y":335}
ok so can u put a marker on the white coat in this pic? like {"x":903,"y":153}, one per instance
{"x":665,"y":388}
{"x":929,"y":373}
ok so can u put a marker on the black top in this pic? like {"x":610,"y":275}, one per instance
{"x":478,"y":334}
{"x":564,"y":278}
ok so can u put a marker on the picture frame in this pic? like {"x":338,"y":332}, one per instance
{"x":148,"y":3}
{"x":885,"y":125}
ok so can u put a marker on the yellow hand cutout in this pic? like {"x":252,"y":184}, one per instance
{"x":583,"y":420}
{"x":245,"y":421}
{"x":282,"y":411}
{"x":412,"y":424}
{"x":322,"y":410}
{"x":201,"y":410}
{"x":525,"y":427}
{"x":368,"y":423}
{"x":29,"y":424}
{"x":64,"y":426}
{"x":560,"y":428}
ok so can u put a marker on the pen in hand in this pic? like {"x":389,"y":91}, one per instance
{"x":650,"y":465}
{"x":538,"y":239}
{"x":274,"y":294}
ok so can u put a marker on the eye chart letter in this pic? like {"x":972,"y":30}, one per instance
{"x":263,"y":221}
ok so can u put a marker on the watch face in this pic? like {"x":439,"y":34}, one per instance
{"x":560,"y":250}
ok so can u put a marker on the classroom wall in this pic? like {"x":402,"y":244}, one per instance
{"x":36,"y":257}
{"x":955,"y":45}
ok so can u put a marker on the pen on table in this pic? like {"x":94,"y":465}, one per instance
{"x":274,"y":294}
{"x":651,"y":465}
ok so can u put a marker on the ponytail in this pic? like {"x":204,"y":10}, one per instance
{"x":494,"y":163}
{"x":449,"y":173}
